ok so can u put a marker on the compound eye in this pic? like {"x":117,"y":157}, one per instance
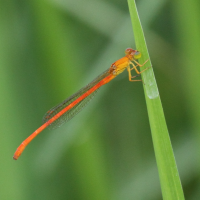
{"x":129,"y":51}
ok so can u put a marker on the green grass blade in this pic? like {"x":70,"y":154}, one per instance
{"x":168,"y":173}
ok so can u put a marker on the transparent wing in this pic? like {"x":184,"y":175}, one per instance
{"x":77,"y":108}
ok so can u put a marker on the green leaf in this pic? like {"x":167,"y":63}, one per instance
{"x":168,"y":173}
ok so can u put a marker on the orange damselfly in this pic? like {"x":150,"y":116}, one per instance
{"x":72,"y":105}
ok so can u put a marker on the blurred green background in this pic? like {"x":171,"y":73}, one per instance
{"x":51,"y":48}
